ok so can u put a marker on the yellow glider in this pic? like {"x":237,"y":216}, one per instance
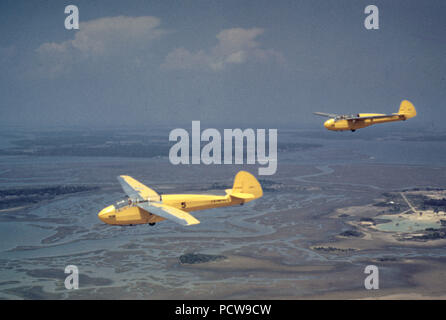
{"x":144,"y":205}
{"x":361,"y":120}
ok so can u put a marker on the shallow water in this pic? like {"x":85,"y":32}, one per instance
{"x":401,"y":224}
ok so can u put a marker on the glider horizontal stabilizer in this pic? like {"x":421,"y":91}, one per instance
{"x":240,"y":195}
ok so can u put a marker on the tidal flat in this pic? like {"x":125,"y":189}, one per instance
{"x":296,"y":242}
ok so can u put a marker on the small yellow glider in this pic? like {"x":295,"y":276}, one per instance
{"x":361,"y":120}
{"x":144,"y":205}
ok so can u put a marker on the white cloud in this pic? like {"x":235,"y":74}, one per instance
{"x":235,"y":46}
{"x":100,"y":38}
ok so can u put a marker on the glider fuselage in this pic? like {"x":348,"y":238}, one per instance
{"x":195,"y":202}
{"x":132,"y":214}
{"x":343,"y":124}
{"x":362,"y":120}
{"x":144,"y":205}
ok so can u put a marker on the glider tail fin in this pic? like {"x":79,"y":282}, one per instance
{"x":246,"y":187}
{"x":407,"y":109}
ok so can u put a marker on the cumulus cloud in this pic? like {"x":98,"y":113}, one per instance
{"x":235,"y":46}
{"x":98,"y":39}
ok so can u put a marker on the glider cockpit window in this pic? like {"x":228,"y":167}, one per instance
{"x":121,"y":204}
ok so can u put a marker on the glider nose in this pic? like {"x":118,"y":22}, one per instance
{"x":329,"y":124}
{"x":103,"y":215}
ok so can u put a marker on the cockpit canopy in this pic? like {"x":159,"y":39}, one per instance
{"x":122,"y":203}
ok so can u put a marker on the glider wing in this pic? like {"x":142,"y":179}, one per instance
{"x":136,"y":190}
{"x":328,"y":115}
{"x":169,"y":213}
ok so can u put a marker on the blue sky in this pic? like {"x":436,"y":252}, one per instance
{"x":226,"y":63}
